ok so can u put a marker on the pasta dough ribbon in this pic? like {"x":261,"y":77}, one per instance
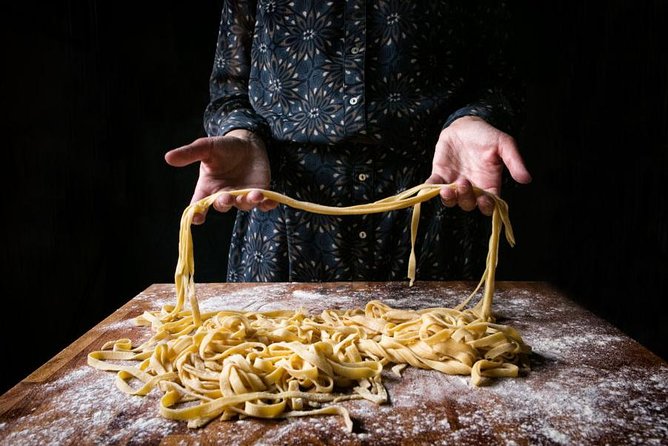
{"x":287,"y":363}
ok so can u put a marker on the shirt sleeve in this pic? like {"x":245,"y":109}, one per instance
{"x":229,"y":107}
{"x":495,"y":89}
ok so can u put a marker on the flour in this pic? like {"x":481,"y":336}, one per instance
{"x":123,"y":324}
{"x":299,"y":294}
{"x":83,"y":397}
{"x":584,"y":387}
{"x":254,"y":299}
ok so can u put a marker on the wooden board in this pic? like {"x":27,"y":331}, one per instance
{"x":589,"y":384}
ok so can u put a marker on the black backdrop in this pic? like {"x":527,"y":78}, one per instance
{"x":94,"y":93}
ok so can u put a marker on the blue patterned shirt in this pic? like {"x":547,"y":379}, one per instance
{"x":350,"y":97}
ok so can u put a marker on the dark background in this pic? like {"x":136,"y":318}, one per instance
{"x":94,"y":93}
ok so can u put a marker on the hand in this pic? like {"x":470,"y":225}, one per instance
{"x":237,"y":160}
{"x":472,"y":152}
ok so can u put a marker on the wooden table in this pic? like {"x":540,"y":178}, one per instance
{"x":589,"y":383}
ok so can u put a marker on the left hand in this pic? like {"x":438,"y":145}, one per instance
{"x":472,"y":152}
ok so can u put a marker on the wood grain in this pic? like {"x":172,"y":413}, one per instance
{"x":589,"y":383}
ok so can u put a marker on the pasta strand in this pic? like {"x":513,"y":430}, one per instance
{"x":287,"y":363}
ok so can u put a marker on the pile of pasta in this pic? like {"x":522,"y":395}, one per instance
{"x":227,"y":364}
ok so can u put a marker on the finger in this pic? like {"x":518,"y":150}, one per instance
{"x":448,"y":196}
{"x":511,"y":157}
{"x":198,"y":150}
{"x":435,"y":179}
{"x":224,"y":202}
{"x":466,"y":198}
{"x":250,"y":200}
{"x":242,"y":203}
{"x":267,"y":205}
{"x":254,"y":197}
{"x":486,"y":205}
{"x":198,"y":217}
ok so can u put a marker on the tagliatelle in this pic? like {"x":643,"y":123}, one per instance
{"x":288,"y":363}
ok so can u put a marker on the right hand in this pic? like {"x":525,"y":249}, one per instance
{"x":237,"y":160}
{"x":471,"y":151}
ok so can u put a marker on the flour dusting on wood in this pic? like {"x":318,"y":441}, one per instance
{"x":589,"y":383}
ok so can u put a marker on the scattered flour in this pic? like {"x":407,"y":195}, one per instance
{"x":83,"y":397}
{"x":582,"y":389}
{"x":300,"y":294}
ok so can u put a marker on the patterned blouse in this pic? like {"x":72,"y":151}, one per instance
{"x":350,"y":97}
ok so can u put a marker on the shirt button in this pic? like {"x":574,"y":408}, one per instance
{"x":362,"y":177}
{"x":362,"y":234}
{"x":353,"y":101}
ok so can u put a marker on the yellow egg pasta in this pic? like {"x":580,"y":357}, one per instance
{"x":227,"y":364}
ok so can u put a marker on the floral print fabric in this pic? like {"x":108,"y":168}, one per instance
{"x":350,"y":97}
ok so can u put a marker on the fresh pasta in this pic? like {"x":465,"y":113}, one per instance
{"x":226,"y":364}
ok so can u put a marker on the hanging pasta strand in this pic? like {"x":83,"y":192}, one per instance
{"x":224,"y":364}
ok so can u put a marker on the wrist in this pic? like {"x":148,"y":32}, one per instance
{"x":241,"y":134}
{"x":246,"y":135}
{"x":467,"y":118}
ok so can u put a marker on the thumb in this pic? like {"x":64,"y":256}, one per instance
{"x":198,"y":150}
{"x":435,"y":179}
{"x":513,"y":160}
{"x":200,"y":192}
